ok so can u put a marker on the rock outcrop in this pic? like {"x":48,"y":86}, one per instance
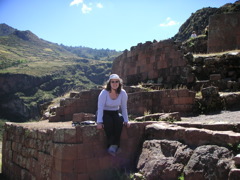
{"x":209,"y":162}
{"x":162,"y":159}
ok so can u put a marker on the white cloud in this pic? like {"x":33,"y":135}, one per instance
{"x":168,"y":22}
{"x":76,"y":2}
{"x":99,"y":5}
{"x":85,"y":9}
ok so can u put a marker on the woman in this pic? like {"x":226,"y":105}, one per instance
{"x":109,"y":102}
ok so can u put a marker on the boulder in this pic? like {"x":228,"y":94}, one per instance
{"x":209,"y":162}
{"x":163,"y":159}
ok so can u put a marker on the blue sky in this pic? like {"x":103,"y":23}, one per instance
{"x":112,"y":24}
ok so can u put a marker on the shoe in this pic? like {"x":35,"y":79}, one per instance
{"x":112,"y":150}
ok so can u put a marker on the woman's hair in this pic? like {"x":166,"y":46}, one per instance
{"x":108,"y":86}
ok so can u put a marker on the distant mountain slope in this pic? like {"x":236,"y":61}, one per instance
{"x":200,"y":19}
{"x":24,"y":47}
{"x":97,"y":54}
{"x":34,"y":71}
{"x":6,"y":30}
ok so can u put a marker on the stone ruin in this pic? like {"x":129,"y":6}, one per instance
{"x":54,"y":149}
{"x":224,"y":32}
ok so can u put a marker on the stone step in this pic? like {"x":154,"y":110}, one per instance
{"x":217,"y":126}
{"x":234,"y":174}
{"x":237,"y":160}
{"x":79,"y":117}
{"x":190,"y":135}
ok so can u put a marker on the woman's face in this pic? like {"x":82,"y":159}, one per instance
{"x":114,"y":83}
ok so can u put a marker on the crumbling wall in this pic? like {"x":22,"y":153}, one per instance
{"x":49,"y":151}
{"x":224,"y":32}
{"x":161,"y":62}
{"x":84,"y":101}
{"x":172,"y":100}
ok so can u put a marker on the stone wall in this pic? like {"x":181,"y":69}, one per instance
{"x":161,"y":62}
{"x":84,"y":101}
{"x":59,"y":151}
{"x":224,"y":32}
{"x":174,"y":100}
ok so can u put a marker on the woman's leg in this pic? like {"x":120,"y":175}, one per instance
{"x":113,"y":124}
{"x":118,"y":124}
{"x":108,"y":123}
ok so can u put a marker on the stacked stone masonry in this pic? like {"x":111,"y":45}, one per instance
{"x":66,"y":153}
{"x":174,"y":100}
{"x":161,"y":61}
{"x":224,"y":32}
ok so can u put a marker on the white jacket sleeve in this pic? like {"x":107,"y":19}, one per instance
{"x":101,"y":103}
{"x":124,"y":105}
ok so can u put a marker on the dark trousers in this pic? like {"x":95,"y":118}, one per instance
{"x":113,"y":124}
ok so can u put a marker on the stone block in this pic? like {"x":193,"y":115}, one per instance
{"x":34,"y":168}
{"x":83,"y":176}
{"x":67,"y":136}
{"x":79,"y":117}
{"x":80,"y":166}
{"x":64,"y":151}
{"x":92,"y":165}
{"x":85,"y":151}
{"x":234,"y":174}
{"x":60,"y":111}
{"x":16,"y":146}
{"x":25,"y":174}
{"x":67,"y":117}
{"x":7,"y":154}
{"x":44,"y":134}
{"x":63,"y":166}
{"x":90,"y":134}
{"x":134,"y":130}
{"x":220,"y":137}
{"x":183,"y":93}
{"x":173,"y":93}
{"x":197,"y":137}
{"x":69,"y":110}
{"x":215,"y":77}
{"x":99,"y":149}
{"x":182,"y":108}
{"x":124,"y":135}
{"x":185,"y":100}
{"x":237,"y":159}
{"x":106,"y":162}
{"x":54,"y":118}
{"x":166,"y":101}
{"x":58,"y":135}
{"x":130,"y":146}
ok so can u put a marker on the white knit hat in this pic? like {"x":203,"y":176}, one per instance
{"x":114,"y":76}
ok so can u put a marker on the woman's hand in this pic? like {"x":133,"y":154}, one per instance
{"x":99,"y":126}
{"x":127,"y":124}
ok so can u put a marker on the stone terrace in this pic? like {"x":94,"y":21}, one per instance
{"x":139,"y":102}
{"x":46,"y":150}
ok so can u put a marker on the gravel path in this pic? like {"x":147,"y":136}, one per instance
{"x":223,"y":117}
